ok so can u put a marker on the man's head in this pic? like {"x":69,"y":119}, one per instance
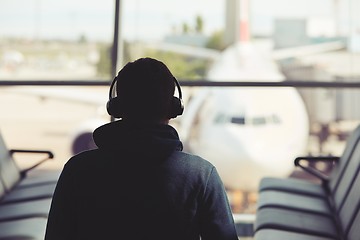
{"x":144,"y":90}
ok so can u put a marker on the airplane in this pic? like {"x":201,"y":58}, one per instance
{"x":247,"y":133}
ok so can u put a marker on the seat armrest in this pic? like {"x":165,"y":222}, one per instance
{"x":313,"y":171}
{"x":23,"y":172}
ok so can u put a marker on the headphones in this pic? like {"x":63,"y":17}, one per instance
{"x":115,"y":107}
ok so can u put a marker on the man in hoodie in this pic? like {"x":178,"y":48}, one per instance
{"x":138,"y":184}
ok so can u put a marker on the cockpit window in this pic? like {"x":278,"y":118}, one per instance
{"x":220,"y":118}
{"x":275,"y":119}
{"x":238,"y":120}
{"x":242,"y":120}
{"x":258,"y":120}
{"x":262,"y":120}
{"x":223,"y":118}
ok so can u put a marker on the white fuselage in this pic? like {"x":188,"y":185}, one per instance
{"x":246,"y":132}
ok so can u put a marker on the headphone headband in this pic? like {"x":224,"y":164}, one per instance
{"x":113,"y":105}
{"x":178,"y":87}
{"x":112,"y":87}
{"x":115,"y":80}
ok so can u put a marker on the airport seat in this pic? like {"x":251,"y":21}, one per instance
{"x":295,"y":221}
{"x":24,"y":229}
{"x":39,"y":177}
{"x":16,"y":184}
{"x":306,"y":226}
{"x":25,"y":195}
{"x":13,"y":176}
{"x":318,"y":204}
{"x":28,"y":193}
{"x":14,"y":210}
{"x":305,"y":187}
{"x":273,"y":234}
{"x":339,"y":222}
{"x":23,"y":210}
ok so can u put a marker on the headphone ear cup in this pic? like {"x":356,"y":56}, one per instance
{"x":114,"y":107}
{"x":177,"y":107}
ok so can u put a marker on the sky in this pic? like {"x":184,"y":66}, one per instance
{"x":144,"y":19}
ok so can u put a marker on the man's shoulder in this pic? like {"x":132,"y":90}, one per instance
{"x":86,"y":157}
{"x":190,"y":159}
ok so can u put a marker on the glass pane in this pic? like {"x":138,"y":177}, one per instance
{"x":227,"y":40}
{"x":55,"y":40}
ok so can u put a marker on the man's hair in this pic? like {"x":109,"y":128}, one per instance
{"x":145,"y":88}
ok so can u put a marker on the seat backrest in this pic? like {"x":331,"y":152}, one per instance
{"x":354,"y":231}
{"x":342,"y":165}
{"x":2,"y":190}
{"x":349,"y":210}
{"x":9,"y":171}
{"x":348,"y":179}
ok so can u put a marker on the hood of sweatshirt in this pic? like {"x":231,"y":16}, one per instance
{"x":143,"y":141}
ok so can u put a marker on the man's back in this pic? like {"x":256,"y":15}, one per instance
{"x":140,"y":194}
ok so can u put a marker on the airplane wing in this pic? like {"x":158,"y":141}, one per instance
{"x":198,"y":52}
{"x":95,"y":96}
{"x":99,"y":95}
{"x":278,"y":54}
{"x":307,"y":50}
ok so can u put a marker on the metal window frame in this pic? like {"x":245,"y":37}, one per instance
{"x":191,"y":83}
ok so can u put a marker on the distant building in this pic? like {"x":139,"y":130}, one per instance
{"x":326,"y":105}
{"x":191,"y":39}
{"x":290,"y":33}
{"x":354,"y":42}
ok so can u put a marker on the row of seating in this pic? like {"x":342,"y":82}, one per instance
{"x":25,"y":195}
{"x":295,"y":209}
{"x":291,"y":209}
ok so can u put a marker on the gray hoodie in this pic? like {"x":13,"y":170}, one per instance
{"x":139,"y":184}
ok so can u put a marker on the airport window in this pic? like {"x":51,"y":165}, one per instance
{"x":258,"y":121}
{"x":56,"y":40}
{"x":220,"y":118}
{"x":275,"y":119}
{"x":286,"y":41}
